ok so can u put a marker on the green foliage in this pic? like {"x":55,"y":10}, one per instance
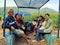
{"x":54,"y":14}
{"x":54,"y":18}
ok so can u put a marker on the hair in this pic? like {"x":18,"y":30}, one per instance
{"x":17,"y":14}
{"x":42,"y":18}
{"x":37,"y":17}
{"x":47,"y":14}
{"x":20,"y":14}
{"x":10,"y":9}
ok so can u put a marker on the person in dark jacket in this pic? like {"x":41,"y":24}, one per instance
{"x":37,"y":25}
{"x":12,"y":25}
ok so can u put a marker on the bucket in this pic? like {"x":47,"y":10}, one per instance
{"x":9,"y":38}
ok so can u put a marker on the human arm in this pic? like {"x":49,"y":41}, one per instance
{"x":42,"y":25}
{"x":48,"y":24}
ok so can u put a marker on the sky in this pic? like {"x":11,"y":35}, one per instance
{"x":53,"y":4}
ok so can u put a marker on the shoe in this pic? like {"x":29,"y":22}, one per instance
{"x":28,"y":38}
{"x":34,"y":41}
{"x":28,"y":41}
{"x":34,"y":34}
{"x":43,"y":40}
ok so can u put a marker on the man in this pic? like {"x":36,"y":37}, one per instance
{"x":13,"y":26}
{"x":21,"y":21}
{"x":48,"y":25}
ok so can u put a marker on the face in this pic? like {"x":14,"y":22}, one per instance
{"x":37,"y":18}
{"x":22,"y":18}
{"x":46,"y":16}
{"x":40,"y":18}
{"x":11,"y":12}
{"x":18,"y":17}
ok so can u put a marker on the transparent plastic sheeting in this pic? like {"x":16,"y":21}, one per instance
{"x":30,"y":3}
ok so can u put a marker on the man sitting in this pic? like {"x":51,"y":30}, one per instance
{"x":21,"y":21}
{"x":12,"y":24}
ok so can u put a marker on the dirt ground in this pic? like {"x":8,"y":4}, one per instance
{"x":22,"y":41}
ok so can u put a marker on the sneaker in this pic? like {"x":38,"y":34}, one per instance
{"x":28,"y":41}
{"x":43,"y":40}
{"x":34,"y":41}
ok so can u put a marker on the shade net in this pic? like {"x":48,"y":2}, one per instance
{"x":30,"y":3}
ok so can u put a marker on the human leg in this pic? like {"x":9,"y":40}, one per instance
{"x":20,"y":33}
{"x":35,"y":31}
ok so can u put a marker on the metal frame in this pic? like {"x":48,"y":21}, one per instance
{"x":59,"y":19}
{"x":29,"y":5}
{"x":31,"y":8}
{"x":38,"y":11}
{"x":18,"y":10}
{"x":44,"y":4}
{"x":4,"y":17}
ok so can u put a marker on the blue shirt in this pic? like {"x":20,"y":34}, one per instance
{"x":38,"y":23}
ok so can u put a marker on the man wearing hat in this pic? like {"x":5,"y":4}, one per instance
{"x":21,"y":21}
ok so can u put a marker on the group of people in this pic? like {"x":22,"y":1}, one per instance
{"x":16,"y":25}
{"x":43,"y":26}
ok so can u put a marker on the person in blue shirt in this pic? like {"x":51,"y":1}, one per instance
{"x":37,"y":25}
{"x":12,"y":25}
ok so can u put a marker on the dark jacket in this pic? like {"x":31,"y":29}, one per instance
{"x":10,"y":21}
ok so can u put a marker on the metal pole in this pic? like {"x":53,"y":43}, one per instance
{"x":4,"y":17}
{"x":59,"y":20}
{"x":29,"y":3}
{"x":38,"y":11}
{"x":18,"y":9}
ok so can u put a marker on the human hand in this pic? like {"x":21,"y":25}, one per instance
{"x":12,"y":28}
{"x":23,"y":28}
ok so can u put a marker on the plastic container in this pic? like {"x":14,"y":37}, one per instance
{"x":10,"y":38}
{"x":51,"y":39}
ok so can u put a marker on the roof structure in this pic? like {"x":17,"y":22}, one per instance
{"x":34,"y":4}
